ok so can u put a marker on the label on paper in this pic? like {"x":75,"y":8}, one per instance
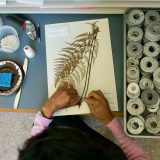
{"x":57,"y":31}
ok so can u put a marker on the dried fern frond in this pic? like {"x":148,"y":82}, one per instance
{"x":72,"y":64}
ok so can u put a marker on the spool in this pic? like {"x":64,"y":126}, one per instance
{"x":132,"y":61}
{"x":133,"y":90}
{"x":151,"y":16}
{"x":153,"y":32}
{"x":158,"y":112}
{"x":148,"y":65}
{"x":146,"y":83}
{"x":29,"y":52}
{"x":152,"y":124}
{"x":135,"y":106}
{"x":134,"y":49}
{"x":151,"y":49}
{"x":156,"y":79}
{"x":153,"y":110}
{"x":133,"y":74}
{"x":150,"y":98}
{"x":135,"y":34}
{"x":135,"y":124}
{"x":135,"y":18}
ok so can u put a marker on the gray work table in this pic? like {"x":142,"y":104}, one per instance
{"x":34,"y":91}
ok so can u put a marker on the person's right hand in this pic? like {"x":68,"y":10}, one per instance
{"x":99,"y":106}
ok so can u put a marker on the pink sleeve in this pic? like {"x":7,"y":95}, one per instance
{"x":40,"y":123}
{"x":127,"y":144}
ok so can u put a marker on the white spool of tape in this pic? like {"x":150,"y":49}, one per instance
{"x":133,"y":90}
{"x":135,"y":106}
{"x":152,"y":124}
{"x":29,"y":52}
{"x":135,"y":124}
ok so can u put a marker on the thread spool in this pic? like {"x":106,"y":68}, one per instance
{"x":133,"y":90}
{"x":158,"y":112}
{"x":146,"y":83}
{"x":135,"y":18}
{"x":135,"y":34}
{"x":153,"y":32}
{"x":152,"y":124}
{"x":134,"y":49}
{"x":148,"y":65}
{"x":151,"y":49}
{"x":29,"y":52}
{"x":156,"y":79}
{"x":135,"y":106}
{"x":133,"y":74}
{"x":132,"y":61}
{"x":150,"y":98}
{"x":136,"y":124}
{"x":151,"y":16}
{"x":153,"y":110}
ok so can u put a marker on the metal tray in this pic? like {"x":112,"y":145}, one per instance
{"x":144,"y":134}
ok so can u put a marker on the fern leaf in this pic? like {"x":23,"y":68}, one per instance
{"x":71,"y":66}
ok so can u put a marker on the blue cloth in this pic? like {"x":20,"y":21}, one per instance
{"x":6,"y":79}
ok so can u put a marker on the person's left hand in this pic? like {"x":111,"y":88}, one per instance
{"x":65,"y":96}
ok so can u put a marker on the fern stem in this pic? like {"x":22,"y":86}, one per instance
{"x":86,"y":85}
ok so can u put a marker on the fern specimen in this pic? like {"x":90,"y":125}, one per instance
{"x":75,"y":61}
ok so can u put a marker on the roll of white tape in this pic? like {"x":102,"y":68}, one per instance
{"x":152,"y":124}
{"x":135,"y":106}
{"x":133,"y":90}
{"x":29,"y":52}
{"x":135,"y":124}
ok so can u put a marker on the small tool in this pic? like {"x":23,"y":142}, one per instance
{"x":25,"y":24}
{"x":39,"y":33}
{"x":30,"y":53}
{"x":18,"y":95}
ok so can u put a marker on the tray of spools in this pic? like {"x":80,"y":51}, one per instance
{"x":142,"y":73}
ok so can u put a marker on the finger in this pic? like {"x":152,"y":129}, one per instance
{"x":90,"y":100}
{"x":94,"y":94}
{"x":62,"y":85}
{"x":74,"y":98}
{"x":74,"y":102}
{"x":100,"y":92}
{"x":73,"y":91}
{"x":91,"y":108}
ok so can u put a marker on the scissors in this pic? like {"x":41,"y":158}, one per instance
{"x":25,"y":24}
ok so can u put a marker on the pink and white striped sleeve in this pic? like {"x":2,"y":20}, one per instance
{"x":128,"y":145}
{"x":40,"y":124}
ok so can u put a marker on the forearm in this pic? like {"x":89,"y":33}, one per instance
{"x":39,"y":125}
{"x":127,"y":144}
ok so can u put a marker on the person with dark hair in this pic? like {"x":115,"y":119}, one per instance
{"x":69,"y":138}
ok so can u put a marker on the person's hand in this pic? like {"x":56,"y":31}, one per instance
{"x":99,"y":106}
{"x":64,"y":97}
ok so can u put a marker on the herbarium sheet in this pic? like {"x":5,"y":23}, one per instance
{"x":80,"y":54}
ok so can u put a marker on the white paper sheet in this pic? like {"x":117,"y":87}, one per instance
{"x":3,"y":2}
{"x":34,"y":2}
{"x":102,"y":73}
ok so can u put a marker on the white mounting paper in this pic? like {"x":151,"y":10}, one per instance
{"x":3,"y":2}
{"x":102,"y":72}
{"x":33,"y":2}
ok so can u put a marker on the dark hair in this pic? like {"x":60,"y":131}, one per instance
{"x":61,"y":143}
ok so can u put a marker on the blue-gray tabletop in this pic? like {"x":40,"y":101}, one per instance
{"x":34,"y":89}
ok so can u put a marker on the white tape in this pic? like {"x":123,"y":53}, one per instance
{"x":135,"y":124}
{"x":29,"y":52}
{"x":152,"y":124}
{"x":135,"y":106}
